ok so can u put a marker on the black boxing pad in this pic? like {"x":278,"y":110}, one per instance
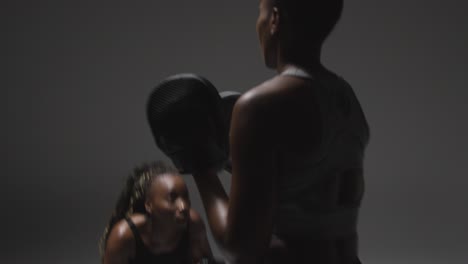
{"x":228,"y":99}
{"x":186,"y":117}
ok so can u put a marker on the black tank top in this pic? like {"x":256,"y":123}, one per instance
{"x":144,"y":256}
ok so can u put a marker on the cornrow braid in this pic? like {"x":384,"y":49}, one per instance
{"x":132,"y":198}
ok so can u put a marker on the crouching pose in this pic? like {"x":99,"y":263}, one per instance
{"x":153,"y":221}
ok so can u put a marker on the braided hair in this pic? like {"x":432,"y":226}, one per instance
{"x":132,"y":198}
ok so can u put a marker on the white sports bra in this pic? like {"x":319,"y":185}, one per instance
{"x":296,"y":71}
{"x":303,"y":197}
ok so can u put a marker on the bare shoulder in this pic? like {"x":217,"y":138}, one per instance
{"x":120,"y":245}
{"x":264,"y":104}
{"x":120,"y":233}
{"x":140,"y":221}
{"x":282,"y":111}
{"x":121,"y":237}
{"x":259,"y":94}
{"x":270,"y":94}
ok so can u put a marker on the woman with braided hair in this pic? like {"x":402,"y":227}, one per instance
{"x":153,"y":221}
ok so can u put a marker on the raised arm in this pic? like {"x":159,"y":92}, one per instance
{"x":242,"y":224}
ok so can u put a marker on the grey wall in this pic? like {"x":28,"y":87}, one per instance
{"x":77,"y":74}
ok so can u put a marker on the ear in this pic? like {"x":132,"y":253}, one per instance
{"x":274,"y":21}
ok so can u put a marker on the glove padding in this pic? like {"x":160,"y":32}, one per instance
{"x":186,"y":117}
{"x":229,"y":99}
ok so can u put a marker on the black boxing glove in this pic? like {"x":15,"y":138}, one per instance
{"x":186,"y":117}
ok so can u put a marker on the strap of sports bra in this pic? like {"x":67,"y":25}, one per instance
{"x":136,"y":234}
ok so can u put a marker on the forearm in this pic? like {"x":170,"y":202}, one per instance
{"x":215,"y":202}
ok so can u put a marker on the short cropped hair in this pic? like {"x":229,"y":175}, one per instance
{"x":316,"y":18}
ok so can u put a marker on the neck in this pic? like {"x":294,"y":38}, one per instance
{"x":308,"y":60}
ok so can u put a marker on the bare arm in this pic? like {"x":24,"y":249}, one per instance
{"x":242,"y":225}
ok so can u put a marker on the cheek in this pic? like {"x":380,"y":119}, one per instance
{"x":260,"y":26}
{"x":261,"y":38}
{"x":162,"y":208}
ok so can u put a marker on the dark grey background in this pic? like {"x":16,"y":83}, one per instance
{"x":76,"y":78}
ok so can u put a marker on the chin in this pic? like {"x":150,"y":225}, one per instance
{"x":270,"y":56}
{"x":182,"y":225}
{"x":181,"y":222}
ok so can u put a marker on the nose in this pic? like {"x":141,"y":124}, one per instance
{"x":182,"y":205}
